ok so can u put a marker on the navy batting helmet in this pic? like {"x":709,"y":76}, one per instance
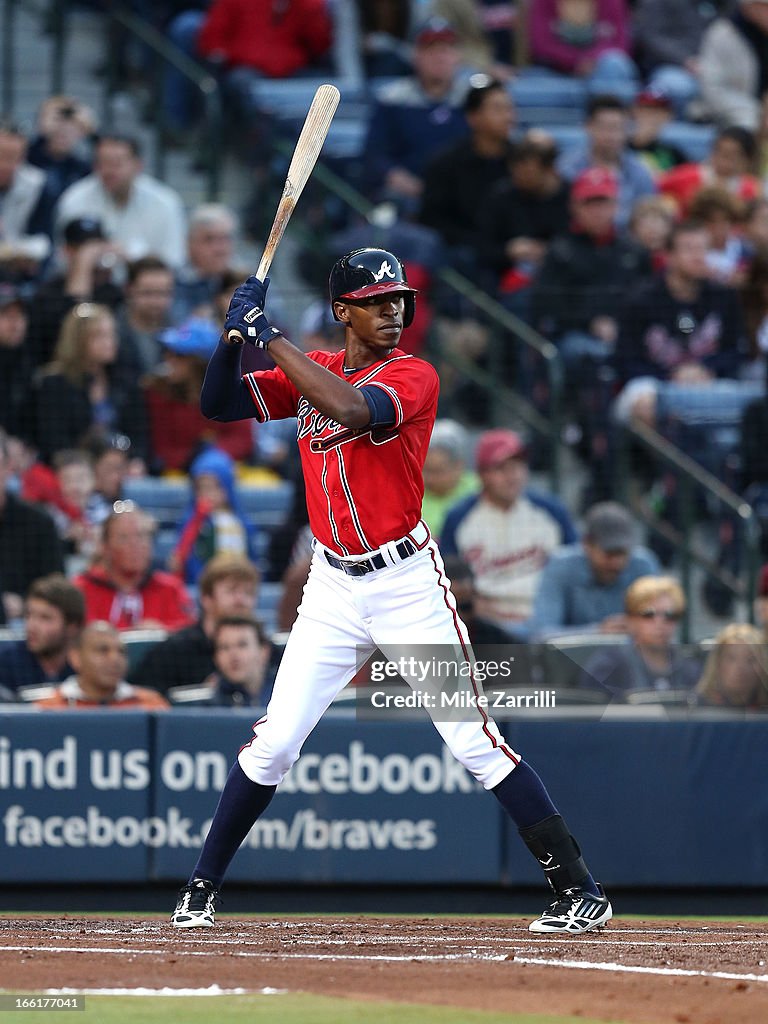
{"x":367,"y":272}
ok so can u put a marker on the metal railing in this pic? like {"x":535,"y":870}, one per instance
{"x":691,"y":480}
{"x":210,"y":93}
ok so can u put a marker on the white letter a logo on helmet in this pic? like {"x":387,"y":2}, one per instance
{"x":385,"y":270}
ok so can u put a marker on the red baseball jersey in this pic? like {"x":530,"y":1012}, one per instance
{"x":364,"y":487}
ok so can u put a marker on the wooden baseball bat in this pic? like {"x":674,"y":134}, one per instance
{"x":308,"y":146}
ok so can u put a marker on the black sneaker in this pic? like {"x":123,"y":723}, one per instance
{"x":574,"y":911}
{"x":196,"y":905}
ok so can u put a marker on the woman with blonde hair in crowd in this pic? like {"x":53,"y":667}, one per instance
{"x":652,"y":660}
{"x":736,"y":670}
{"x":83,"y":391}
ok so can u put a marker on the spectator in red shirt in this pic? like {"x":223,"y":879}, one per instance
{"x":275,"y":39}
{"x":178,"y":430}
{"x":249,"y":40}
{"x":123,"y":589}
{"x":730,"y":165}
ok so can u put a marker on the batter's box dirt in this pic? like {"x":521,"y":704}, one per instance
{"x":643,"y":972}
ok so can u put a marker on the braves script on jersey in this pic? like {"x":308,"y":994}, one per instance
{"x":348,"y":472}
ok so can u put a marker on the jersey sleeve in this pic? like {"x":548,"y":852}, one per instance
{"x":273,"y":394}
{"x":412,"y":385}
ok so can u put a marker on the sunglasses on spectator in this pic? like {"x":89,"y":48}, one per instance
{"x":653,"y":613}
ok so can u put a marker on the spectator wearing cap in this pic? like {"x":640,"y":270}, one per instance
{"x":455,"y":180}
{"x":86,"y":265}
{"x":587,"y":271}
{"x":652,"y":661}
{"x":138,"y":213}
{"x":122,"y":588}
{"x":607,"y":147}
{"x":61,"y":146}
{"x":83,"y":390}
{"x":15,"y":362}
{"x":414,"y":118}
{"x":145,"y":314}
{"x":583,"y":584}
{"x":588,"y":39}
{"x":506,"y":532}
{"x":177,"y":429}
{"x":651,"y":113}
{"x":582,"y":283}
{"x":25,"y":225}
{"x":679,"y":327}
{"x":446,"y":477}
{"x":733,"y":63}
{"x":667,"y":36}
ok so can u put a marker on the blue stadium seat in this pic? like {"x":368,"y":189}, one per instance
{"x":266,"y":507}
{"x":266,"y":608}
{"x":534,"y":89}
{"x":166,"y":500}
{"x":566,"y":135}
{"x":695,"y":140}
{"x":705,"y":422}
{"x":139,"y":641}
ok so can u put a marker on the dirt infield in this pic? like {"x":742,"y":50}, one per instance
{"x":636,"y":971}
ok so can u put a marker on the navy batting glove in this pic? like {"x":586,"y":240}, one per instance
{"x":245,"y":320}
{"x":252,"y":290}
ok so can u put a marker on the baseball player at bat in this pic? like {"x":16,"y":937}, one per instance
{"x":365,"y":416}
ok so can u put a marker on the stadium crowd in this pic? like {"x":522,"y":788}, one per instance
{"x":645,"y":268}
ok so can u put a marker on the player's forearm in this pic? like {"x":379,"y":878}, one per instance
{"x":328,"y":393}
{"x":224,"y":396}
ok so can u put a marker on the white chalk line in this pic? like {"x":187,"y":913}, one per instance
{"x":212,"y":990}
{"x":425,"y":958}
{"x":628,"y":969}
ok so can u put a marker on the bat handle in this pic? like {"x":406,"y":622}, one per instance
{"x":235,"y":338}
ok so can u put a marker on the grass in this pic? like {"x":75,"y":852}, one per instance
{"x":295,"y":1008}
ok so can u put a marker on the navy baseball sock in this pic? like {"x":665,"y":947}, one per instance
{"x":240,"y":804}
{"x":523,"y":796}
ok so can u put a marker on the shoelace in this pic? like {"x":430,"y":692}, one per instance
{"x":198,"y":898}
{"x":565,"y":901}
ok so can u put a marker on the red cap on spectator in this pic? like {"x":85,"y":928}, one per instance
{"x":653,"y":98}
{"x":595,"y":183}
{"x":435,"y":30}
{"x":496,"y":446}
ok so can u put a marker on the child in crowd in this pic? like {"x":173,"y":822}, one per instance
{"x":65,"y":490}
{"x":214,"y":523}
